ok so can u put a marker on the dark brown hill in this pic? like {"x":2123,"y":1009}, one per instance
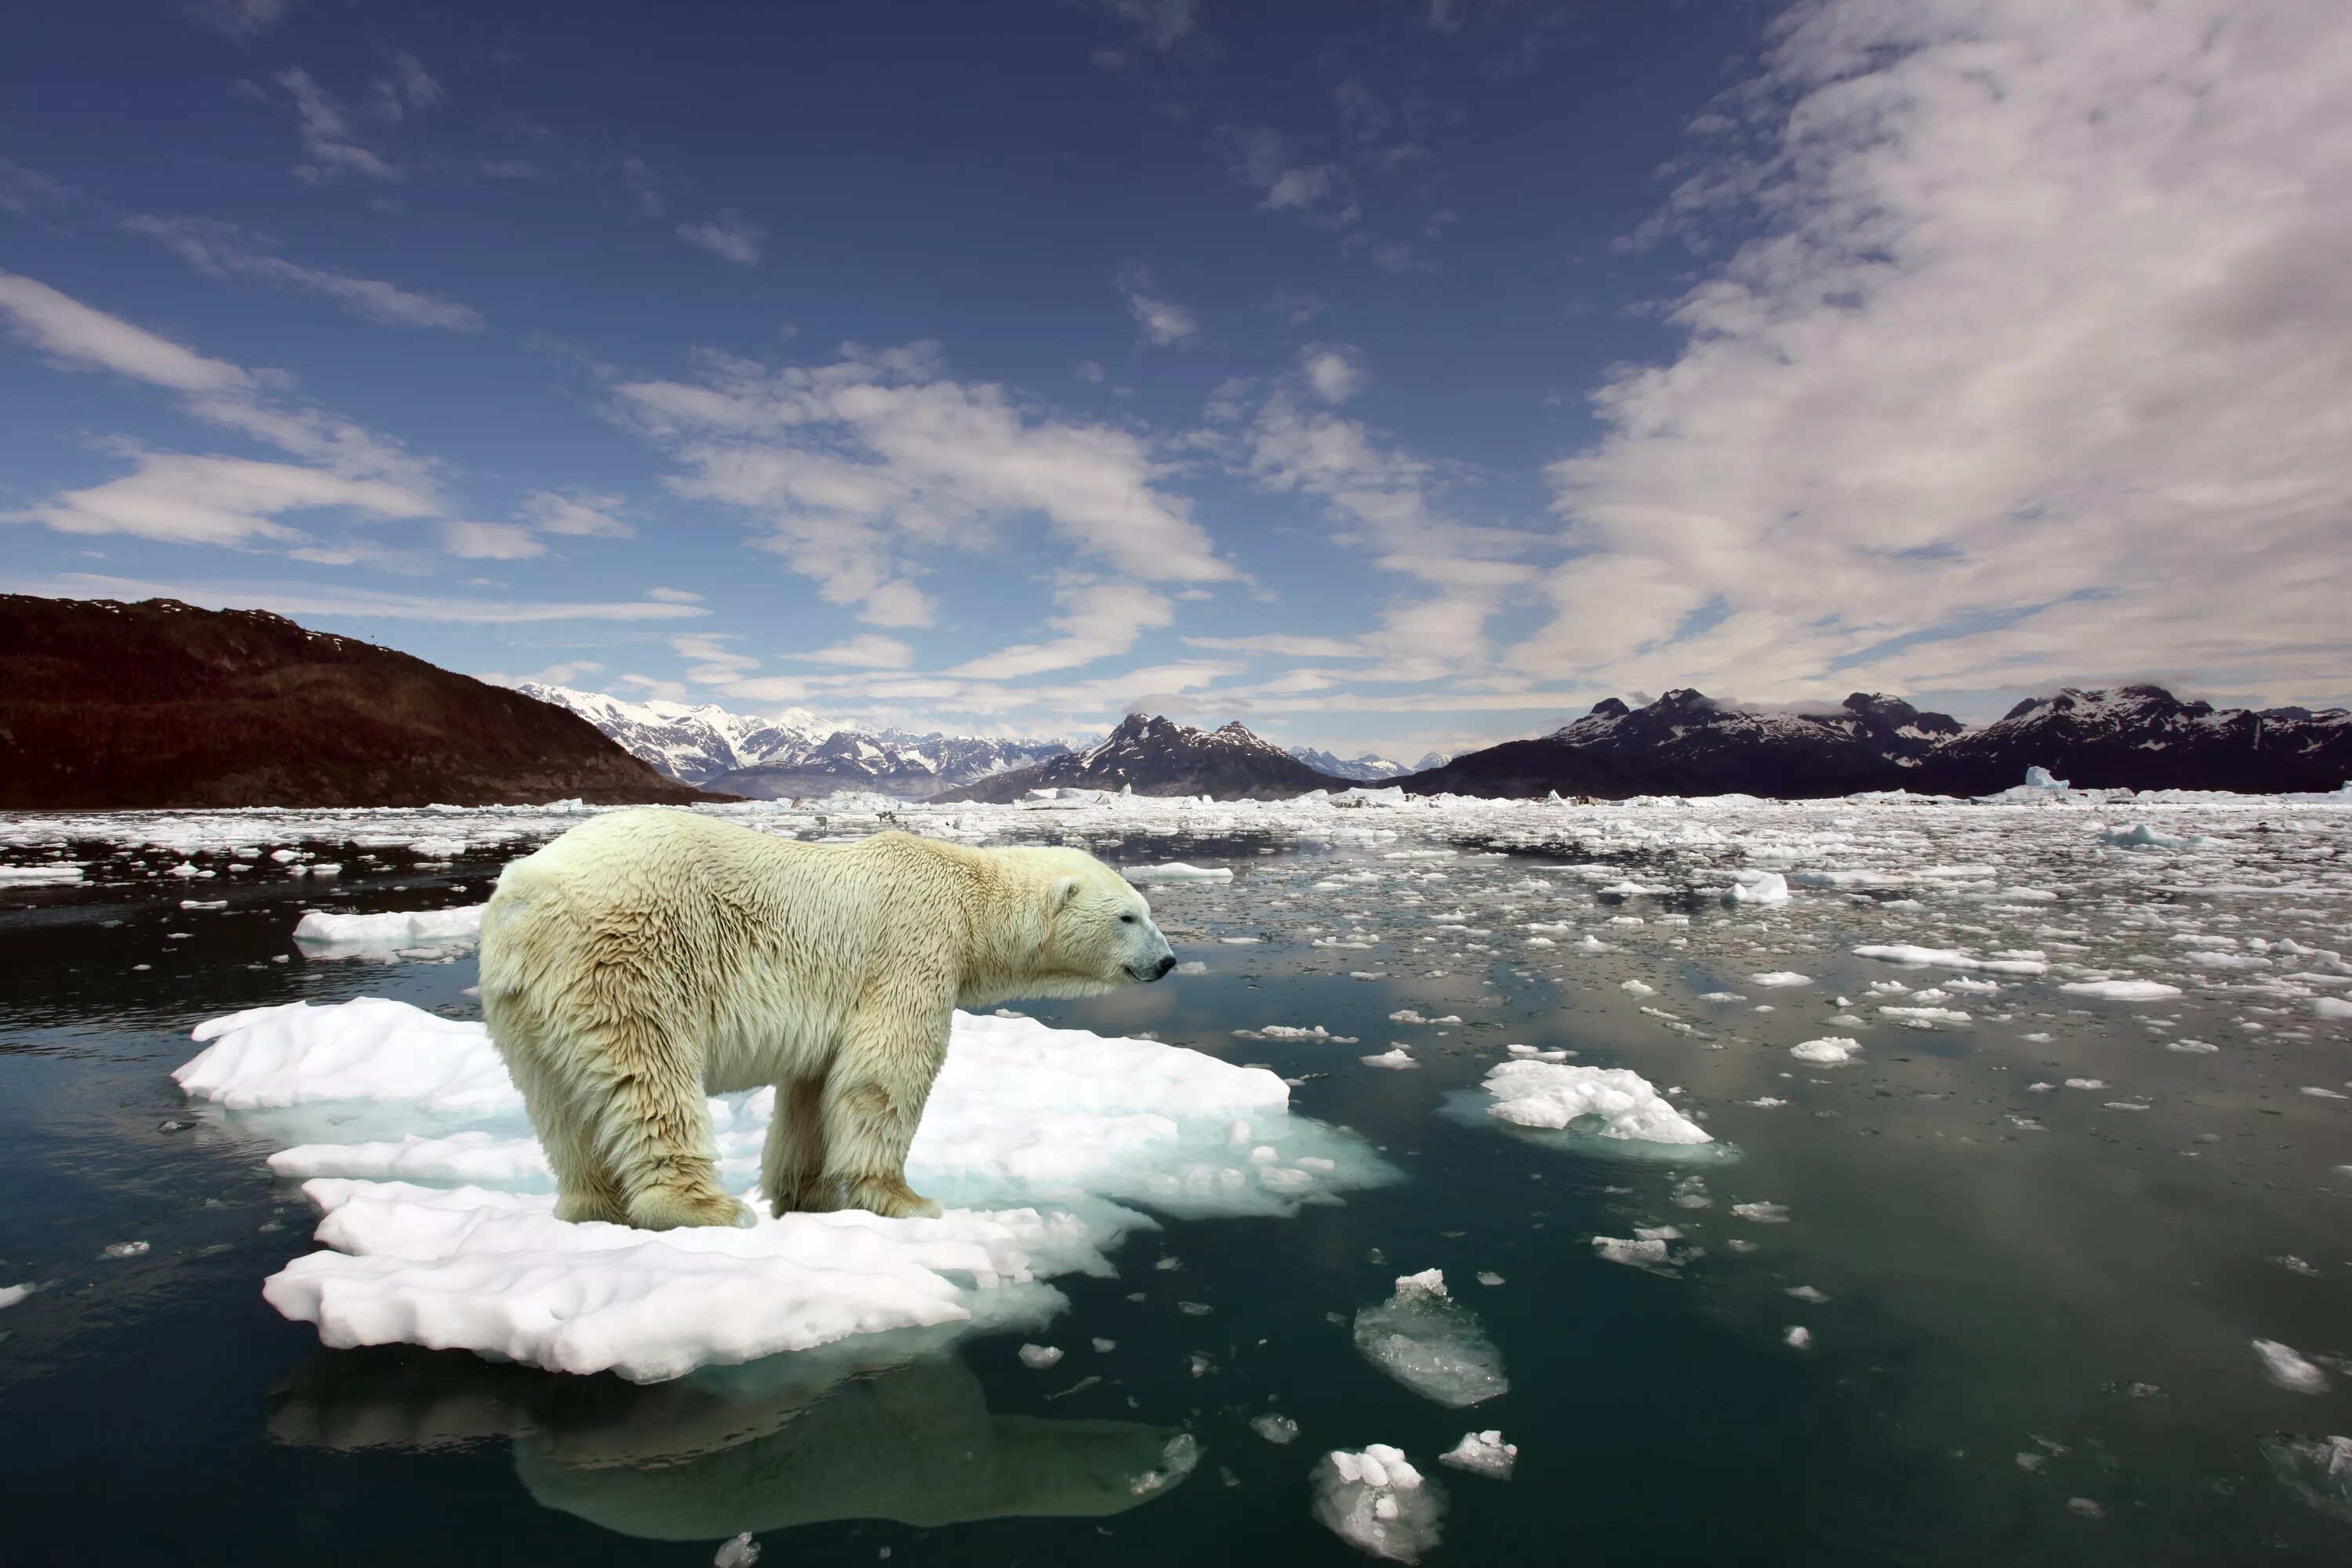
{"x":107,"y":705}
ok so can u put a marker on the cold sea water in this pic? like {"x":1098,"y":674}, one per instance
{"x":2073,"y":1267}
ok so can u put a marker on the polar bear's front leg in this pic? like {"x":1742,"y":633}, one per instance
{"x":873,"y":1102}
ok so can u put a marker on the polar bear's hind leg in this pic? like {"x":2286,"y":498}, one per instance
{"x":653,"y":1128}
{"x":873,"y":1102}
{"x":792,"y":1169}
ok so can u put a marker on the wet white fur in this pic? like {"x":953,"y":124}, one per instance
{"x":647,"y":959}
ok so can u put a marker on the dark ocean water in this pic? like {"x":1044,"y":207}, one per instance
{"x":2079,"y":1294}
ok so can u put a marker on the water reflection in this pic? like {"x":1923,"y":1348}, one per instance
{"x":792,"y":1440}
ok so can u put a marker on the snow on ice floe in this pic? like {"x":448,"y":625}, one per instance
{"x":2289,"y":1369}
{"x":2315,"y":1472}
{"x":395,"y":930}
{"x":1606,"y":1102}
{"x":443,"y":1233}
{"x":2019,"y":962}
{"x":1483,"y":1453}
{"x":1432,"y":1343}
{"x":1177,"y":871}
{"x":1378,"y":1502}
{"x":2121,"y":990}
{"x":1834,"y":1050}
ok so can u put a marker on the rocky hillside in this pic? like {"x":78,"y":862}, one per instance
{"x":112,"y":705}
{"x":1159,"y":756}
{"x":793,"y":753}
{"x":1686,"y":743}
{"x":2142,"y":737}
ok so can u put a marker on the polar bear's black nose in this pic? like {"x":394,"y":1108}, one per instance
{"x":1167,"y":963}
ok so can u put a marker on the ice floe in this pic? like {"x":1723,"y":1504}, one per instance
{"x":1432,"y":1343}
{"x":1606,"y":1102}
{"x":1376,"y":1501}
{"x":1483,"y":1453}
{"x":1038,"y":1138}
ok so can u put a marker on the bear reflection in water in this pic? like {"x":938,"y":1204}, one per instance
{"x":758,"y":1447}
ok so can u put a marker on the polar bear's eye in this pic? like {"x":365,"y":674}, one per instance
{"x":1127,"y":919}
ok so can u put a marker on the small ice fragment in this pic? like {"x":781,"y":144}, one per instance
{"x":1487,"y":1276}
{"x":1608,"y":1103}
{"x":1483,"y":1452}
{"x":1647,"y":1252}
{"x":1104,"y":1347}
{"x":1762,"y":1213}
{"x":1199,"y":1365}
{"x":1377,"y":1502}
{"x":1781,"y":978}
{"x":2315,"y":1471}
{"x":1037,"y":1358}
{"x":1276,"y":1429}
{"x":2283,"y":1366}
{"x":1195,"y":1308}
{"x":1193,"y":966}
{"x":2085,"y":1507}
{"x":1432,"y":1343}
{"x":1797,"y":1338}
{"x":126,"y":1249}
{"x":1830,"y":1051}
{"x":741,"y":1551}
{"x":11,"y":1294}
{"x":1396,"y":1059}
{"x":2087,"y":1083}
{"x":2122,"y":990}
{"x":1805,"y":1293}
{"x":1636,"y":988}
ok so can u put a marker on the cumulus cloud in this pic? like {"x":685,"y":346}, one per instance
{"x":869,"y":650}
{"x":1097,"y":620}
{"x":489,"y":542}
{"x":859,"y":468}
{"x":1335,"y":371}
{"x":2035,"y":372}
{"x":1286,"y":183}
{"x":582,"y":514}
{"x":730,"y":237}
{"x":223,"y":250}
{"x":1164,"y":322}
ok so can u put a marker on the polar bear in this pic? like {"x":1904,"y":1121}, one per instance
{"x":647,"y":959}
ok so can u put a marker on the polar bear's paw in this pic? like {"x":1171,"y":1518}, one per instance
{"x":665,"y":1210}
{"x":890,"y":1198}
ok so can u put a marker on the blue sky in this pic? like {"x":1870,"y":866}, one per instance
{"x":1383,"y":374}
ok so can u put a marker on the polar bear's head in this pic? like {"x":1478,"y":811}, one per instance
{"x":1093,"y":931}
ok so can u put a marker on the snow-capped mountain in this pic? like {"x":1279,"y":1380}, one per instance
{"x":792,"y":753}
{"x":1370,"y":767}
{"x":2136,"y":737}
{"x":2142,"y":737}
{"x":1159,"y":756}
{"x":1688,"y":744}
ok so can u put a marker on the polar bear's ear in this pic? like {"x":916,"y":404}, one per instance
{"x":1058,"y":896}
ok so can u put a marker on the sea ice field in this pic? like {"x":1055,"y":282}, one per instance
{"x":1872,"y":1181}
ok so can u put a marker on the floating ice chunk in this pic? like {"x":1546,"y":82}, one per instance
{"x":1607,"y":1102}
{"x":1781,"y":978}
{"x":2121,"y":990}
{"x":2140,"y":836}
{"x":1637,"y":1252}
{"x":1830,"y":1051}
{"x":1294,"y":1032}
{"x":1037,"y":1358}
{"x":1280,"y":1430}
{"x":11,"y":1294}
{"x":2332,"y":1008}
{"x":1797,"y":1338}
{"x":121,"y":1249}
{"x":1757,"y":887}
{"x":1177,"y":871}
{"x":1805,"y":1293}
{"x":1408,"y":1015}
{"x":370,"y":1049}
{"x":2191,"y":1047}
{"x":1925,"y":1017}
{"x":1377,"y":1502}
{"x":1487,"y":1276}
{"x":1637,"y":988}
{"x":396,"y":930}
{"x":1762,"y":1213}
{"x":2285,"y":1367}
{"x":2015,"y":962}
{"x":737,"y":1551}
{"x":1396,"y":1059}
{"x":1484,"y":1453}
{"x":40,"y":876}
{"x":2315,"y":1471}
{"x":2085,"y":1507}
{"x":1432,"y":1343}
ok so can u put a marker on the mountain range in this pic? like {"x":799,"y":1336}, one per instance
{"x":1369,"y":768}
{"x":108,"y":705}
{"x":2137,"y":737}
{"x":1159,"y":756}
{"x":795,"y":754}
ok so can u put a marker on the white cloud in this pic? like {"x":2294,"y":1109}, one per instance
{"x":22,"y":190}
{"x":237,"y":19}
{"x":730,"y":237}
{"x":582,"y":514}
{"x":864,"y":469}
{"x":1097,"y":619}
{"x":674,"y":596}
{"x":489,"y":542}
{"x":1164,"y":322}
{"x":358,"y":603}
{"x":217,"y":500}
{"x":1335,"y":371}
{"x":2039,"y":366}
{"x":327,"y":133}
{"x":407,"y":85}
{"x":1159,"y":26}
{"x":222,"y":250}
{"x":869,"y":650}
{"x":1264,"y":160}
